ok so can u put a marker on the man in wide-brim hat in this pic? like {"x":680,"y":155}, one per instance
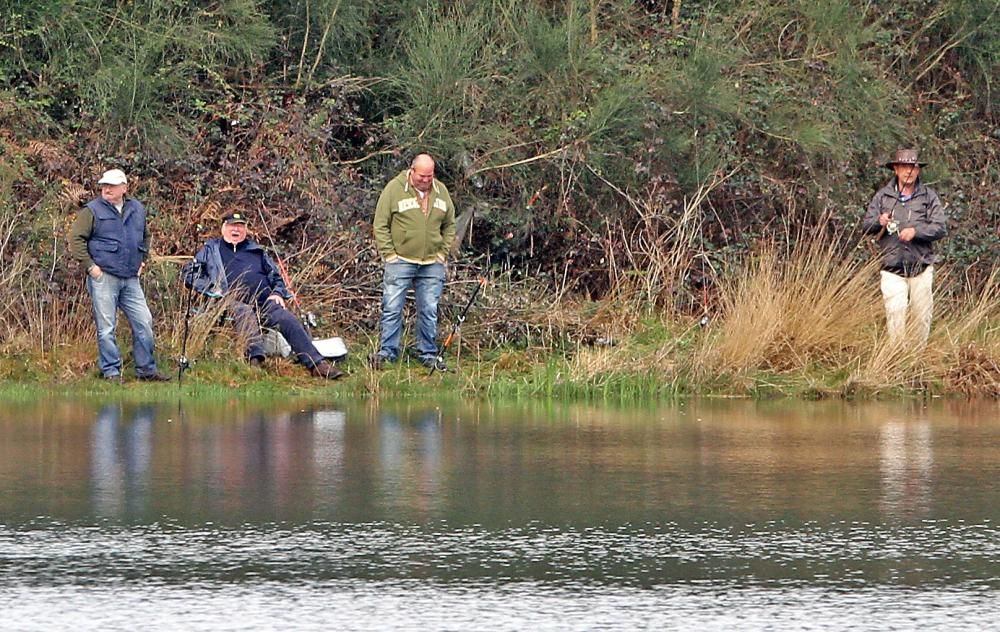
{"x":907,"y":218}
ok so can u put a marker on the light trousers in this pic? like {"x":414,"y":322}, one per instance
{"x":908,"y":299}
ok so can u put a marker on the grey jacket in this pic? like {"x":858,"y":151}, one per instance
{"x":923,"y":211}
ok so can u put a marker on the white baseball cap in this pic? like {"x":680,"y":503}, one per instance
{"x":113,"y":176}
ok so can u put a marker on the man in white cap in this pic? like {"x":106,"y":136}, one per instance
{"x":907,"y":217}
{"x":111,"y":241}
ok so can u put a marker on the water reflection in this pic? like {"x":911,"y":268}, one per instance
{"x":721,"y":510}
{"x":329,"y":431}
{"x":276,"y":464}
{"x":906,"y":462}
{"x":410,"y":459}
{"x":120,"y":459}
{"x":746,"y":461}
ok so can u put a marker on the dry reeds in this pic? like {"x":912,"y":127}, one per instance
{"x":812,"y":305}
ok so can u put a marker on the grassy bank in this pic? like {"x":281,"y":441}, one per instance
{"x":803,"y":321}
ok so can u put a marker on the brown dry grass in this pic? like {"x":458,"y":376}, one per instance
{"x":791,"y":310}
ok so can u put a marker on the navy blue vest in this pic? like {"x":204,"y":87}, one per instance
{"x":116,"y":243}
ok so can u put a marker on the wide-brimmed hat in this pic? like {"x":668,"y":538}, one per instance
{"x":113,"y":177}
{"x":905,"y":157}
{"x":234,"y":218}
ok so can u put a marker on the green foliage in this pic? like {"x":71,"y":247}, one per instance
{"x":557,"y":119}
{"x":441,"y":76}
{"x":976,"y":39}
{"x":134,"y":67}
{"x":320,"y":37}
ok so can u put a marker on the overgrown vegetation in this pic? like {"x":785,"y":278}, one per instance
{"x":632,"y":166}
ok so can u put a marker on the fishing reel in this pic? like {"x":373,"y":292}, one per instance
{"x":183,"y":363}
{"x":892,"y":227}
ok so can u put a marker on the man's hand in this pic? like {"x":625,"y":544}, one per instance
{"x":883,"y":219}
{"x":907,"y":234}
{"x":277,"y":300}
{"x":95,"y":271}
{"x":142,"y":266}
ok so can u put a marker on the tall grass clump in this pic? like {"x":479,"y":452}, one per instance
{"x":793,"y":308}
{"x":962,"y":354}
{"x":441,"y":79}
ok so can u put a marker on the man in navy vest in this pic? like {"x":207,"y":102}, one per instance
{"x":236,"y":267}
{"x":110,"y":239}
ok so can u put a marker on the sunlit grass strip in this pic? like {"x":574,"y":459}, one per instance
{"x":557,"y":379}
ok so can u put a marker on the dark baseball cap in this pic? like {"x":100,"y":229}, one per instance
{"x":234,"y":218}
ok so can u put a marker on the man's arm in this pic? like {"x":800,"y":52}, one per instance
{"x":871,"y":224}
{"x":196,"y":274}
{"x":274,"y":277}
{"x":145,"y":241}
{"x":933,"y":225}
{"x":380,"y":226}
{"x":79,"y":235}
{"x":447,"y":231}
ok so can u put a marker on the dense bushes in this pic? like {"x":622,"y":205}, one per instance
{"x":592,"y":137}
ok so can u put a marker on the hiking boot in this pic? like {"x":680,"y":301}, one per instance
{"x":257,"y":362}
{"x":155,"y":377}
{"x":326,"y":371}
{"x":436,"y":364}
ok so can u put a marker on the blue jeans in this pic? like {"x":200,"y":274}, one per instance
{"x":108,"y":294}
{"x":428,"y":282}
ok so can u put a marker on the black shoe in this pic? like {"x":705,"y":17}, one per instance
{"x":326,"y":371}
{"x":155,"y":377}
{"x":436,"y":364}
{"x":256,"y":362}
{"x":114,"y":379}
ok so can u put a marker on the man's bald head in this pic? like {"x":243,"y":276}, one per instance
{"x":422,"y":172}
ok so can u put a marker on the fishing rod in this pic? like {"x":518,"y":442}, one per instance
{"x":183,"y":363}
{"x":457,"y":325}
{"x":891,"y":227}
{"x":308,"y":318}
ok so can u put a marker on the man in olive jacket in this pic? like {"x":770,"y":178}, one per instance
{"x":907,"y":217}
{"x":414,"y":228}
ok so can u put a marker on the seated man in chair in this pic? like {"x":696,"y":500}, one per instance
{"x":238,"y":267}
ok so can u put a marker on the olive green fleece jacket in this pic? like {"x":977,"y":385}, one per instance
{"x":402,"y":230}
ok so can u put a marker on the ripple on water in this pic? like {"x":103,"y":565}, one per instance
{"x":769,"y":554}
{"x":414,"y":604}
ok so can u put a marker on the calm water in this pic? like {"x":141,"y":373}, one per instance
{"x":706,"y":515}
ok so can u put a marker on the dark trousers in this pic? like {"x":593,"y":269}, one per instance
{"x":250,"y":318}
